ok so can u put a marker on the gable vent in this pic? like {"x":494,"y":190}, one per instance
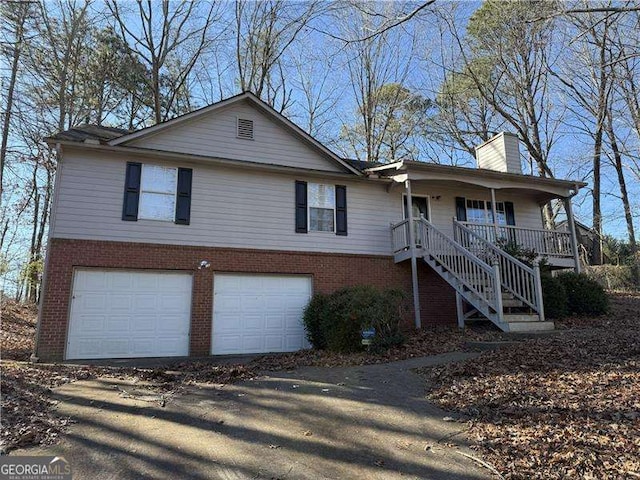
{"x":245,"y":128}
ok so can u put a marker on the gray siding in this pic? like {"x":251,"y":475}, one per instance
{"x":501,"y":153}
{"x":230,"y":208}
{"x":214,"y":135}
{"x":237,"y":207}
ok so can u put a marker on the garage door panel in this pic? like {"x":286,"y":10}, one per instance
{"x":171,"y":325}
{"x":121,"y":302}
{"x":251,"y":343}
{"x":89,"y":324}
{"x":115,"y":346}
{"x":115,"y":325}
{"x":253,"y":323}
{"x":122,"y":314}
{"x":92,"y":302}
{"x":143,"y":324}
{"x":259,"y":313}
{"x":173,"y":302}
{"x":274,"y":342}
{"x":228,"y":322}
{"x":96,"y":281}
{"x":145,"y":301}
{"x":120,"y":281}
{"x":294,"y":342}
{"x":274,"y":321}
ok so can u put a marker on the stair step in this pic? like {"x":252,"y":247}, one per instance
{"x":530,"y":326}
{"x":521,"y":317}
{"x":512,"y":303}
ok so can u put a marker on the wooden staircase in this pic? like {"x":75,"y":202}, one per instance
{"x":492,"y":283}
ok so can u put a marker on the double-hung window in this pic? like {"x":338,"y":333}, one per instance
{"x":479,"y":211}
{"x":158,"y":193}
{"x":322,"y":207}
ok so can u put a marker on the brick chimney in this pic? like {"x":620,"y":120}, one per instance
{"x":500,"y":153}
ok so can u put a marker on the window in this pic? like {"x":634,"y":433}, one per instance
{"x":322,"y":207}
{"x":158,"y":193}
{"x":479,"y":211}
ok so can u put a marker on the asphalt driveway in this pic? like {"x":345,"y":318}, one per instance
{"x":369,"y":422}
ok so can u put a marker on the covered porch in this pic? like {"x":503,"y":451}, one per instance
{"x":483,"y":232}
{"x":503,"y":208}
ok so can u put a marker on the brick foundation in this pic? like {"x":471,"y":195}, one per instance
{"x":329,"y":271}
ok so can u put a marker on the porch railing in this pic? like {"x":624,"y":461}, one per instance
{"x":516,"y":277}
{"x":546,"y":243}
{"x":474,"y":273}
{"x":400,"y":234}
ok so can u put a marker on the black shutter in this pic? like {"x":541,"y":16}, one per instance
{"x":183,"y":196}
{"x":341,"y":210}
{"x":509,"y":213}
{"x":131,"y":192}
{"x":301,"y":207}
{"x":461,"y":209}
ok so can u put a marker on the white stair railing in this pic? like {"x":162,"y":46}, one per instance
{"x":519,"y":279}
{"x":469,"y":271}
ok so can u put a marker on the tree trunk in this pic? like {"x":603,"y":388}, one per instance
{"x":597,"y":209}
{"x":617,"y":162}
{"x":12,"y":84}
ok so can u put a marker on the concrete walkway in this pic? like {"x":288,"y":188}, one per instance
{"x":369,"y":422}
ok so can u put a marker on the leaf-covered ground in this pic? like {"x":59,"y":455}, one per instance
{"x":564,"y":406}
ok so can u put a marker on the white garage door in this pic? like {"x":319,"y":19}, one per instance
{"x":259,"y":313}
{"x":121,"y":314}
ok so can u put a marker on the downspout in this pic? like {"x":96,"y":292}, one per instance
{"x":414,"y":261}
{"x":43,"y":288}
{"x":572,"y":230}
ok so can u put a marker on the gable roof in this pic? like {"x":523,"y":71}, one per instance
{"x":255,"y":101}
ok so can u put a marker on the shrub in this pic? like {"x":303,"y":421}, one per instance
{"x":614,"y":277}
{"x":526,"y":255}
{"x":312,"y":317}
{"x":554,"y":296}
{"x":584,"y":295}
{"x":335,"y":321}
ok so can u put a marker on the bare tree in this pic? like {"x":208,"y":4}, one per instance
{"x":16,"y":15}
{"x":265,"y":31}
{"x":318,"y":94}
{"x":379,"y":69}
{"x":169,"y":38}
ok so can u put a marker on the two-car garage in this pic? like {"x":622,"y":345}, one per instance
{"x":129,"y":314}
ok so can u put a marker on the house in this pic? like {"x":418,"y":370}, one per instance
{"x":208,"y":233}
{"x":587,"y":238}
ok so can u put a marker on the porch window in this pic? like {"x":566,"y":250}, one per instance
{"x":322,"y":207}
{"x":479,"y":211}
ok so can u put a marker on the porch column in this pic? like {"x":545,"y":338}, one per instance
{"x":414,"y":260}
{"x":572,"y":232}
{"x":494,"y":213}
